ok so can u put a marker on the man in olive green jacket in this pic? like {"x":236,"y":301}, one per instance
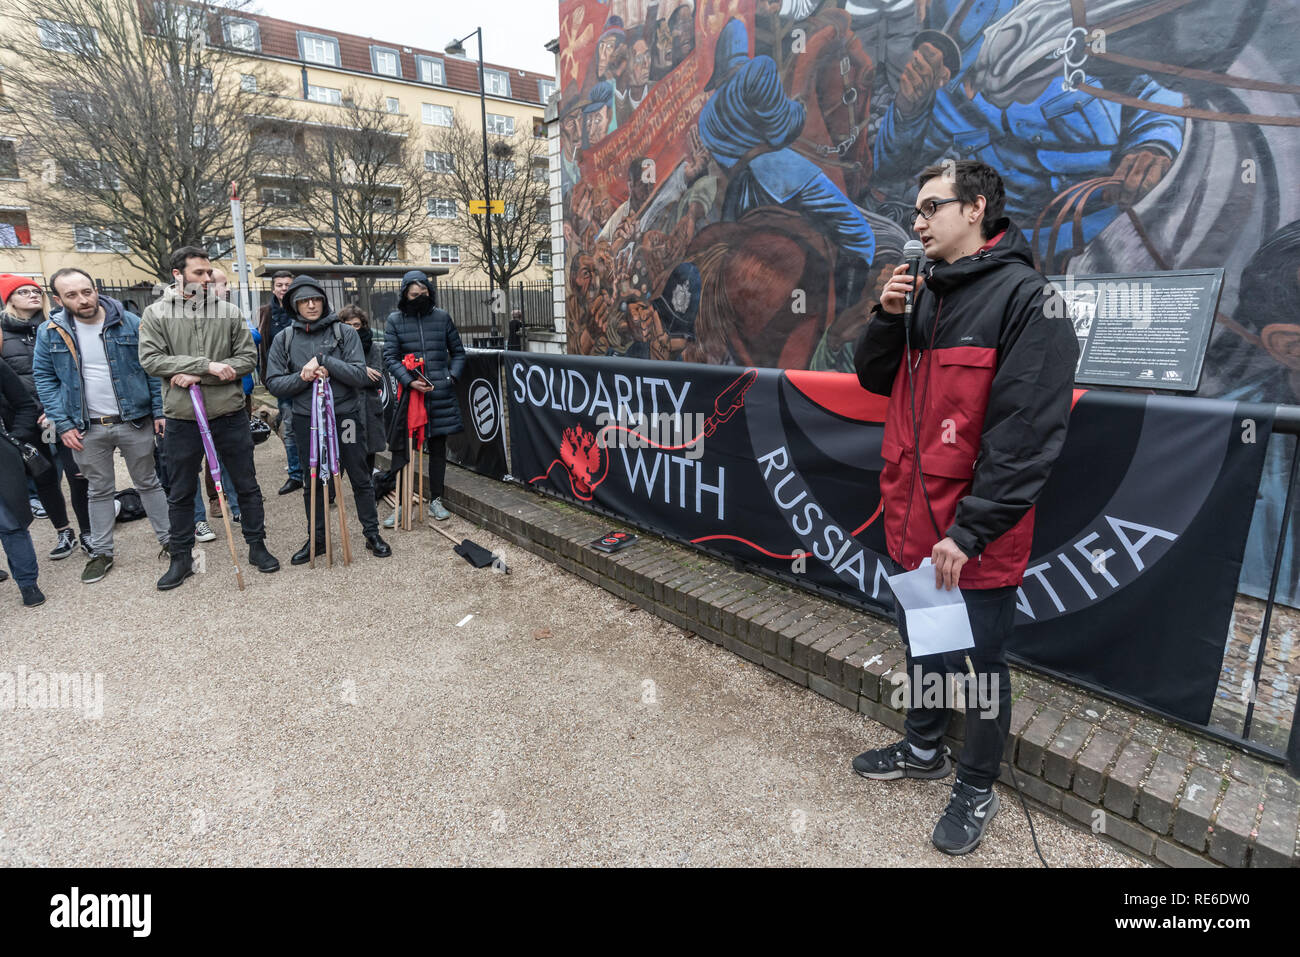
{"x":190,"y":337}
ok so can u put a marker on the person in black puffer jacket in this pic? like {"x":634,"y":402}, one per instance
{"x":17,"y":417}
{"x":22,"y":315}
{"x":418,"y":327}
{"x":319,"y":346}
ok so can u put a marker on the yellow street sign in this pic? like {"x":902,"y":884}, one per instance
{"x":478,"y":207}
{"x":499,"y":207}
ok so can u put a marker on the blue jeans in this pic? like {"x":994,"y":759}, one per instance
{"x":18,"y":548}
{"x":290,"y":447}
{"x":201,"y":511}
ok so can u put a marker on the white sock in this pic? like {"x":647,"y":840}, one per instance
{"x":925,"y":754}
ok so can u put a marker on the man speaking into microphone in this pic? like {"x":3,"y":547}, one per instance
{"x":979,"y":377}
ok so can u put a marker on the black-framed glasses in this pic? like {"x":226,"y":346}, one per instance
{"x":930,"y":207}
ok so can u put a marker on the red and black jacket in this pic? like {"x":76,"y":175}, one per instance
{"x":992,"y":368}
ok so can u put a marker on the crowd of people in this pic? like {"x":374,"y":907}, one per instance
{"x":83,"y":377}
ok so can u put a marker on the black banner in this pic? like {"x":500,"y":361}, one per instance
{"x":1138,"y":538}
{"x":482,"y":445}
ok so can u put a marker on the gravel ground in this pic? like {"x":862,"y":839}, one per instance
{"x":360,"y":716}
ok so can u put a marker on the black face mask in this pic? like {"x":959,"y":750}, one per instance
{"x":418,"y":305}
{"x":367,"y":338}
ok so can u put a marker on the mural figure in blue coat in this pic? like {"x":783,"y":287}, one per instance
{"x":1042,"y":148}
{"x":748,"y":126}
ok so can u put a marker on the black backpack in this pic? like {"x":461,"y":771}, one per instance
{"x":130,"y":507}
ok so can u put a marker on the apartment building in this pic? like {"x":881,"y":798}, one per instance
{"x":321,"y":68}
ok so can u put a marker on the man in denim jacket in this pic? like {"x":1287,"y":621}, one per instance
{"x":97,"y":398}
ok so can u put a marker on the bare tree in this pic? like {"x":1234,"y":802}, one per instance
{"x":516,"y":173}
{"x":139,"y":119}
{"x":362,"y":187}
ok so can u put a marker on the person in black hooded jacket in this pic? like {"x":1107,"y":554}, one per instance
{"x":318,"y":346}
{"x":418,"y":328}
{"x":22,"y":314}
{"x":17,"y":417}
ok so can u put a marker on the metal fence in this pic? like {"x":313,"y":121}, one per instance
{"x":477,"y":310}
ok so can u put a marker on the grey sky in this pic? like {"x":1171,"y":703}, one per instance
{"x":515,"y":32}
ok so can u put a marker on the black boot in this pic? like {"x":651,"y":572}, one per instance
{"x":377,"y":545}
{"x":303,"y":555}
{"x":261,"y":559}
{"x":181,"y":568}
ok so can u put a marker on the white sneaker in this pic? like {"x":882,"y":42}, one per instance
{"x":393,"y":519}
{"x":203,"y":532}
{"x":437,"y":512}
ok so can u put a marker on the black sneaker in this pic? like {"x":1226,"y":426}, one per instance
{"x":32,"y":596}
{"x":84,"y":540}
{"x":65,"y":546}
{"x":962,"y":826}
{"x":899,"y":761}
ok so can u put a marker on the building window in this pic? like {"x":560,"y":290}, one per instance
{"x":392,"y":104}
{"x":206,"y":136}
{"x":205,"y":80}
{"x":444,"y":254}
{"x":542,"y":215}
{"x":430,"y":70}
{"x":184,"y":21}
{"x":274,"y":144}
{"x":75,"y":105}
{"x":507,"y":258}
{"x":501,"y":125}
{"x":95,"y":239}
{"x":8,"y":160}
{"x":315,"y":48}
{"x":324,"y":94}
{"x":545,"y":90}
{"x":248,"y":82}
{"x":502,"y":169}
{"x":277,"y":196}
{"x":14,"y":230}
{"x":219,"y":247}
{"x":68,"y":37}
{"x":540,"y":174}
{"x":436,"y":162}
{"x":441,"y":207}
{"x":241,"y":34}
{"x":435,"y":115}
{"x":287,"y":246}
{"x":385,"y":204}
{"x":544,"y":256}
{"x":539,"y":128}
{"x":496,"y":82}
{"x":92,"y":174}
{"x":385,"y":61}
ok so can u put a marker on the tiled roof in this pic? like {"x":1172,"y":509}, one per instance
{"x":279,"y":38}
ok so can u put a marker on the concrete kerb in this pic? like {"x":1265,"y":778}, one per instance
{"x":1100,"y":764}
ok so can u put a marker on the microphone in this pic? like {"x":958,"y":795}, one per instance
{"x":913,"y":255}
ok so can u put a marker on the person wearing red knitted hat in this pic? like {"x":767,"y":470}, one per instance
{"x":22,"y":314}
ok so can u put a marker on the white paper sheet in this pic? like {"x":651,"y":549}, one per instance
{"x":937,"y":620}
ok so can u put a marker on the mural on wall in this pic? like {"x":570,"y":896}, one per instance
{"x":738,"y":174}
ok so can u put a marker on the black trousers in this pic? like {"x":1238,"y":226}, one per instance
{"x":436,"y":463}
{"x":78,"y":487}
{"x":51,"y":495}
{"x":992,"y":614}
{"x":183,"y":450}
{"x":352,"y":459}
